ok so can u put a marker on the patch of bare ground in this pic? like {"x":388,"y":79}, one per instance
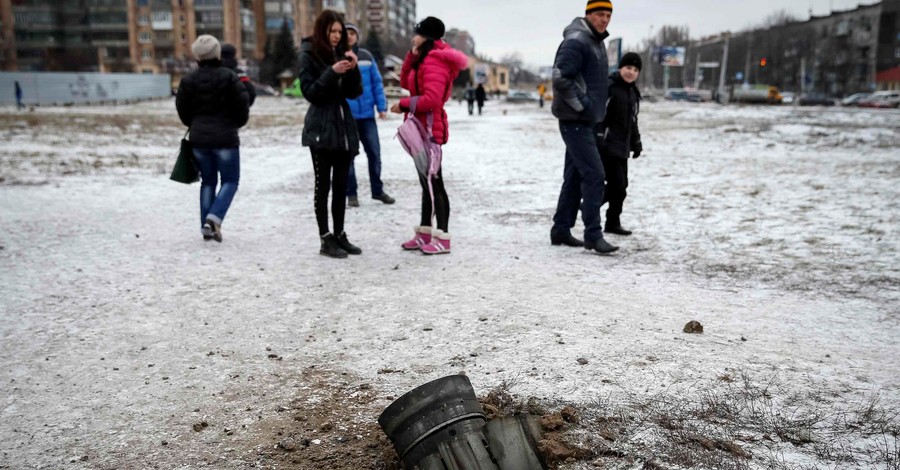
{"x":332,"y":424}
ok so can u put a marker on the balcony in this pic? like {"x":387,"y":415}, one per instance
{"x":109,"y":43}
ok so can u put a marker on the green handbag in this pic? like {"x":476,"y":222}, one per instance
{"x":185,"y":170}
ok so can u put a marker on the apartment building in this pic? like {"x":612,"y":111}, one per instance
{"x":461,"y":40}
{"x":139,"y":36}
{"x":393,"y":21}
{"x":836,"y":54}
{"x":301,"y":15}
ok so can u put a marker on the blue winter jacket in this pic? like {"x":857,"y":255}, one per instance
{"x":373,"y":88}
{"x":580,"y":74}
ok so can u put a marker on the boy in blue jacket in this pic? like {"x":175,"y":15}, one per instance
{"x":363,"y":109}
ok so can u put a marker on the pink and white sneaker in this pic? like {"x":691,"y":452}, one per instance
{"x":422,"y":238}
{"x":440,"y":243}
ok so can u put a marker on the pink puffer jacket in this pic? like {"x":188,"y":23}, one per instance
{"x":433,"y":84}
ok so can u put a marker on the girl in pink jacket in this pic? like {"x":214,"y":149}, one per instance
{"x":428,"y":73}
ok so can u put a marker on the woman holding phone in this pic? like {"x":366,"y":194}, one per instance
{"x":328,"y":77}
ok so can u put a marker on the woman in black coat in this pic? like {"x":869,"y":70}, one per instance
{"x":480,"y":97}
{"x":328,"y":77}
{"x":214,"y":104}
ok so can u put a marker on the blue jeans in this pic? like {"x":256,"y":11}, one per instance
{"x":583,"y":178}
{"x":212,"y":162}
{"x":368,"y":136}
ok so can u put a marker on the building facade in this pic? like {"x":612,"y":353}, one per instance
{"x":392,"y":20}
{"x":136,"y":36}
{"x":837,"y":55}
{"x":461,"y":41}
{"x":300,"y":15}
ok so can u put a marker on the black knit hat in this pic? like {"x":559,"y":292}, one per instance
{"x":431,"y":28}
{"x":229,"y":56}
{"x":597,"y":5}
{"x":631,"y":59}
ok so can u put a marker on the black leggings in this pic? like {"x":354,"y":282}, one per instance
{"x":324,"y":161}
{"x":441,"y":202}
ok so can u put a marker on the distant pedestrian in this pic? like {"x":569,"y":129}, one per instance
{"x":363,"y":109}
{"x":619,"y":136}
{"x":329,"y":75}
{"x":428,"y":73}
{"x":470,"y":98}
{"x":542,"y":90}
{"x":580,"y":86}
{"x":214,"y":104}
{"x":229,"y":59}
{"x":481,"y":97}
{"x":19,"y":103}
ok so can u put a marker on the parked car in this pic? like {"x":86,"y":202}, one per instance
{"x":294,"y":91}
{"x":854,"y":99}
{"x":788,"y":97}
{"x":758,"y":93}
{"x":519,"y":96}
{"x":815,"y":99}
{"x":395,"y":92}
{"x":680,"y":94}
{"x":882,"y":99}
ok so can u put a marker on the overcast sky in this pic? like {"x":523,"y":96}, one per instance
{"x":534,"y":27}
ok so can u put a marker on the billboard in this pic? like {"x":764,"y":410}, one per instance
{"x":47,"y":88}
{"x":614,"y":53}
{"x":671,"y":55}
{"x":481,"y":73}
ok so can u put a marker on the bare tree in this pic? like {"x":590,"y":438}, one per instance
{"x":512,"y":60}
{"x":778,"y":18}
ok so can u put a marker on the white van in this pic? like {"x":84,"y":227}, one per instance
{"x":882,"y":99}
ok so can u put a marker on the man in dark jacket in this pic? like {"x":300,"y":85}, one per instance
{"x":19,"y":104}
{"x":619,"y":136}
{"x":214,"y":104}
{"x":229,"y":59}
{"x":579,"y":102}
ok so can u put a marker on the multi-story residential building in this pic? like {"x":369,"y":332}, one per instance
{"x":291,"y":12}
{"x":301,"y":15}
{"x":393,"y":21}
{"x":461,"y":41}
{"x":836,"y":54}
{"x":140,"y":36}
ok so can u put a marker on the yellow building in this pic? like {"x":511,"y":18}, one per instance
{"x":493,"y":76}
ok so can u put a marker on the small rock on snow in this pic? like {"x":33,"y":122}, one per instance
{"x":693,"y":327}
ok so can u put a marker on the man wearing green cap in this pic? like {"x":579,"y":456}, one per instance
{"x":580,"y":83}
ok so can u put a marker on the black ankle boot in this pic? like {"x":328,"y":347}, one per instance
{"x":331,"y":248}
{"x":618,"y":230}
{"x":557,"y":239}
{"x":347,"y":246}
{"x":600,"y":246}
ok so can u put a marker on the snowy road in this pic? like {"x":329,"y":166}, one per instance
{"x":776,"y":228}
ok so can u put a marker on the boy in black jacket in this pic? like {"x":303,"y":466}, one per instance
{"x":618,"y":136}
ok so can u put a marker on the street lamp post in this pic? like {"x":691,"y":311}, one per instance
{"x":723,"y":71}
{"x":650,"y":58}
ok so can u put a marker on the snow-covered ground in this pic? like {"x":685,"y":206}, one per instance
{"x":776,"y":228}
